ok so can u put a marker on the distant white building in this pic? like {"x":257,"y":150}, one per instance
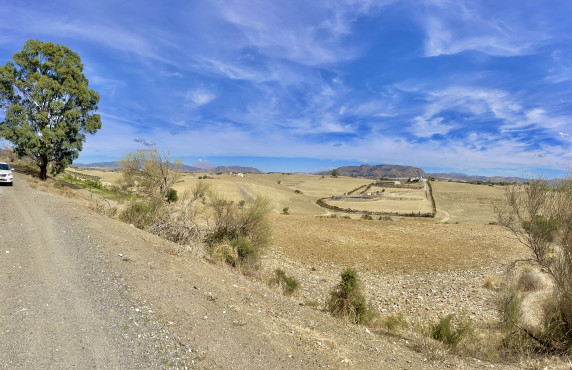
{"x":389,"y":182}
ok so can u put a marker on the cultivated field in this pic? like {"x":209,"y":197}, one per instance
{"x":466,"y":202}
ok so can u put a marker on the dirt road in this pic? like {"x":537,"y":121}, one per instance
{"x":61,"y":304}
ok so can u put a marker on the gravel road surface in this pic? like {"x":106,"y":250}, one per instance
{"x":62,"y":306}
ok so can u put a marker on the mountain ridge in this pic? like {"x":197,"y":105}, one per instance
{"x":377,"y":171}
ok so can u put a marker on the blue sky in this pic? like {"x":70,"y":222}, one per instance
{"x":480,"y":87}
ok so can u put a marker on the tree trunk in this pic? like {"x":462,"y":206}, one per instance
{"x":43,"y":164}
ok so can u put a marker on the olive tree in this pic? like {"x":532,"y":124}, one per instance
{"x":48,"y":105}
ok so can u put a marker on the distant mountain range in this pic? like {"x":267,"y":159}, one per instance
{"x":235,"y":169}
{"x":396,"y":171}
{"x":214,"y":169}
{"x":106,"y":165}
{"x":366,"y":171}
{"x":375,"y":172}
{"x":475,"y":178}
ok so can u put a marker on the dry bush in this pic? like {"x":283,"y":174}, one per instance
{"x":245,"y":228}
{"x":492,"y":283}
{"x":541,"y":219}
{"x":149,"y":172}
{"x":104,"y":207}
{"x":186,"y":221}
{"x":530,"y":281}
{"x":434,"y":350}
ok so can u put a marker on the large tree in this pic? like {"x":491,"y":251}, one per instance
{"x":48,"y":105}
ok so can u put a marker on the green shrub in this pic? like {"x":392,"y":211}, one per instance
{"x":366,"y":217}
{"x":347,"y":300}
{"x":541,"y":227}
{"x":172,"y":195}
{"x":95,"y":184}
{"x":245,"y":251}
{"x":298,"y":191}
{"x":141,"y":213}
{"x":451,"y":332}
{"x":385,"y":218}
{"x":285,"y":211}
{"x":288,"y":283}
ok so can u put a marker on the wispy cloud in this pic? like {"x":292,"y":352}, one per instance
{"x":423,"y":127}
{"x":281,"y":32}
{"x":454,"y":27}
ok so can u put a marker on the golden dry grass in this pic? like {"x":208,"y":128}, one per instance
{"x":467,"y":202}
{"x":408,"y":245}
{"x":463,"y":202}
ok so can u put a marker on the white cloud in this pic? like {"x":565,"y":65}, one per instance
{"x":199,"y":96}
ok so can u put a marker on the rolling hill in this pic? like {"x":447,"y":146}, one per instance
{"x":382,"y":170}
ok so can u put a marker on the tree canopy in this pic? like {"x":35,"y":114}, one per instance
{"x":48,"y":105}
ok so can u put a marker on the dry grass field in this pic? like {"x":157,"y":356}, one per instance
{"x":466,"y":202}
{"x":456,"y":202}
{"x":407,"y":245}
